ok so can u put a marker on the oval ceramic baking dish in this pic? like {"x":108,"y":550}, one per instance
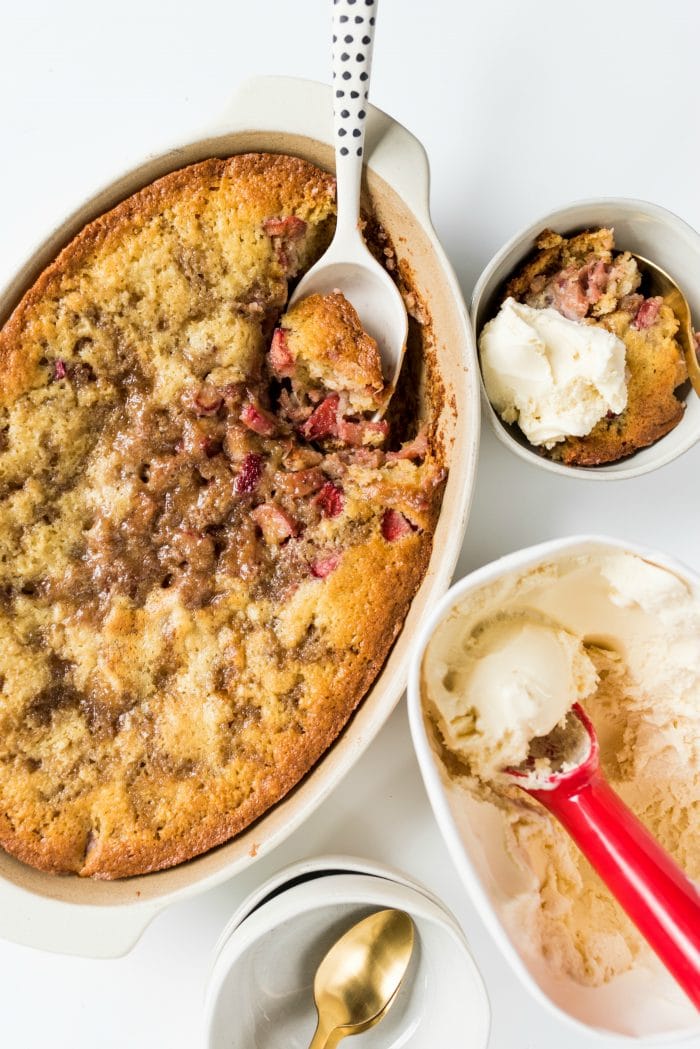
{"x":279,"y":115}
{"x":642,"y":1003}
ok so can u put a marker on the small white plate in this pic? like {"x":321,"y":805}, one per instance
{"x":260,"y":993}
{"x":645,"y":229}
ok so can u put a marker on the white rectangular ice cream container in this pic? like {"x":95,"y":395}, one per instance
{"x":641,"y":1004}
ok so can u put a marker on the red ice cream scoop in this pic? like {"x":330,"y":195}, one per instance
{"x":563,"y":773}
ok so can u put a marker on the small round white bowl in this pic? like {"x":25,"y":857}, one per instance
{"x":645,"y":229}
{"x":642,"y":1005}
{"x":260,"y":991}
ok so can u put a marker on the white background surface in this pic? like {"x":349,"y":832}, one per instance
{"x":521,"y":107}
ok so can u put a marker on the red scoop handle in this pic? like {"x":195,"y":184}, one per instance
{"x":657,"y":895}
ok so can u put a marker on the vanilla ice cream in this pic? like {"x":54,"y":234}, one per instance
{"x":554,"y":377}
{"x":497,"y":684}
{"x":496,"y":671}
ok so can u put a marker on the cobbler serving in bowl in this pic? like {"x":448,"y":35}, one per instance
{"x":586,"y":364}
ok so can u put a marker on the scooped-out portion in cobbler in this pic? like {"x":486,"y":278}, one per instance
{"x":208,"y":540}
{"x":608,"y":382}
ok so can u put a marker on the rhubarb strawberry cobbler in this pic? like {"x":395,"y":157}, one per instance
{"x":578,"y":357}
{"x":210,"y":537}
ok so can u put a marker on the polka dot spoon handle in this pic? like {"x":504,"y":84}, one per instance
{"x":348,"y":265}
{"x":353,"y":40}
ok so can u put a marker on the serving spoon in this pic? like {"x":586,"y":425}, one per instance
{"x":357,"y":981}
{"x":348,"y":265}
{"x":660,"y":283}
{"x":563,"y":773}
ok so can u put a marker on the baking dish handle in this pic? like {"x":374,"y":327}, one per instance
{"x":305,"y":107}
{"x":90,"y":931}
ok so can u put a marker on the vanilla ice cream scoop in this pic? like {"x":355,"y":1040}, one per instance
{"x":554,"y":377}
{"x":503,"y":682}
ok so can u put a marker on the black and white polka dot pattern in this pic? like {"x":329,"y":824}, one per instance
{"x":353,"y":38}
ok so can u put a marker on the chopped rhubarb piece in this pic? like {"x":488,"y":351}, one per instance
{"x":415,"y":449}
{"x":274,"y":523}
{"x":207,"y":400}
{"x":59,"y":369}
{"x":359,"y":433}
{"x":281,"y":359}
{"x":291,"y":226}
{"x":648,"y":312}
{"x":258,"y":420}
{"x":323,"y":566}
{"x":568,"y":297}
{"x":330,"y":500}
{"x":323,"y":421}
{"x":696,"y":336}
{"x":395,"y":525}
{"x":249,"y":474}
{"x":370,"y":458}
{"x":291,"y":409}
{"x":596,"y":278}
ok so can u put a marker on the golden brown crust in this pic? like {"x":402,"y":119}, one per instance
{"x":656,"y":369}
{"x":171,"y":667}
{"x":326,"y":339}
{"x":553,"y":253}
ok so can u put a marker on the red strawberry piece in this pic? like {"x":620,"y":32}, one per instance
{"x":323,"y":421}
{"x":59,"y":369}
{"x":274,"y":523}
{"x":291,"y":226}
{"x":281,"y":359}
{"x":330,"y":500}
{"x":415,"y":449}
{"x":323,"y":566}
{"x":395,"y":525}
{"x":258,"y":420}
{"x":207,"y":400}
{"x":249,"y":474}
{"x":648,"y":312}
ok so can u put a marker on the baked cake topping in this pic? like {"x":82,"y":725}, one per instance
{"x":197,"y":582}
{"x":587,"y":282}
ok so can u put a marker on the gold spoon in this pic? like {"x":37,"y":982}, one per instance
{"x":659,"y":283}
{"x":357,"y":981}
